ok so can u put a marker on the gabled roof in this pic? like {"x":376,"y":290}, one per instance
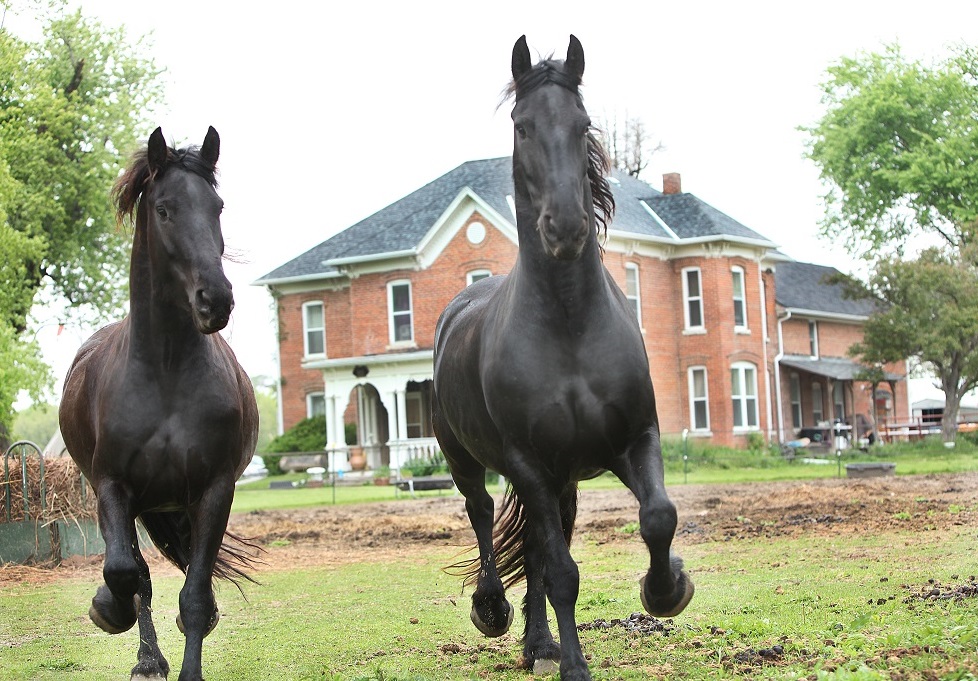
{"x":402,"y":226}
{"x":805,"y":287}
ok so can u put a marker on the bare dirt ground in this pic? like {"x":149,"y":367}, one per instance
{"x":337,"y":535}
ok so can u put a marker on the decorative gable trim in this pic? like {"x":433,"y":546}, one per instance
{"x":451,"y":221}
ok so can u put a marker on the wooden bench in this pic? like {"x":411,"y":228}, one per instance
{"x":424,"y":483}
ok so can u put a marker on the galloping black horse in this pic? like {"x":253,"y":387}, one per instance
{"x":156,"y":411}
{"x":542,"y":376}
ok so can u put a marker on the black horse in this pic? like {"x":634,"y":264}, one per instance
{"x":157,"y":412}
{"x":542,"y":376}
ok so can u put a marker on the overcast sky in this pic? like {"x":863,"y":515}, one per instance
{"x":330,"y":111}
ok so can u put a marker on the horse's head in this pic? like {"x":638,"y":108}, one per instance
{"x":551,"y":147}
{"x":183,"y":220}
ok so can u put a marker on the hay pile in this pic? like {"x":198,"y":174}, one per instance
{"x":66,"y":495}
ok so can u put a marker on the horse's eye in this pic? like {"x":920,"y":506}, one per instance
{"x":521,"y":131}
{"x":161,"y":210}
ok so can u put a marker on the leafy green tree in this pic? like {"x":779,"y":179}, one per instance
{"x":898,"y":150}
{"x":36,"y":423}
{"x":931,"y":314}
{"x":70,"y":107}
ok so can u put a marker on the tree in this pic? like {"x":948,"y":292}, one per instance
{"x":898,"y":150}
{"x":70,"y":106}
{"x":931,"y":314}
{"x":628,"y":144}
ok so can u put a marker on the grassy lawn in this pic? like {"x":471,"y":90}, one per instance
{"x":704,"y":466}
{"x":821,"y":608}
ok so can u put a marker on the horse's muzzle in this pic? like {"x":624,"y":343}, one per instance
{"x":212,"y":309}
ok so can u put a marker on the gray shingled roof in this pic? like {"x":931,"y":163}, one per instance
{"x":402,"y":225}
{"x":804,"y":286}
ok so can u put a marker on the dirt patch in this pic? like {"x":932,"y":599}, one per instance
{"x":336,"y":535}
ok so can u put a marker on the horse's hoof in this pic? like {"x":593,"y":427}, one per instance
{"x":545,"y":667}
{"x":108,"y":616}
{"x":487,"y":628}
{"x":661,"y":606}
{"x":147,"y":677}
{"x":151,"y":669}
{"x":215,"y":618}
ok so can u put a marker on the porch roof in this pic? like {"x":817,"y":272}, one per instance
{"x":836,"y":368}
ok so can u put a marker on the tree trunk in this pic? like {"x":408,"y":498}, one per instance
{"x":952,"y":403}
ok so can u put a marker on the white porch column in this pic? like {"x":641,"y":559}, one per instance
{"x":401,"y":414}
{"x":394,"y":418}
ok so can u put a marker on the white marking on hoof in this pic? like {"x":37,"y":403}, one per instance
{"x":545,"y":667}
{"x":143,"y":677}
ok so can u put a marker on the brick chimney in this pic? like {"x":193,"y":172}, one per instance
{"x":671,"y":183}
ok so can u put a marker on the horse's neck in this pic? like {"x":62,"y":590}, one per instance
{"x":159,"y":330}
{"x":577,"y":286}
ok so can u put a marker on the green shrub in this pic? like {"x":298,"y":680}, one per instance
{"x":308,"y":435}
{"x":418,"y":466}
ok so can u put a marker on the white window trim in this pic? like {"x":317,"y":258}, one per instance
{"x":637,"y":298}
{"x":309,"y":398}
{"x":688,"y":328}
{"x":414,"y":397}
{"x":742,"y":399}
{"x":391,"y":329}
{"x":735,"y":270}
{"x":306,"y":329}
{"x":693,"y":399}
{"x":482,"y":274}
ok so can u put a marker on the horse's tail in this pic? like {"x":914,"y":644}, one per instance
{"x":170,"y":532}
{"x":509,"y":538}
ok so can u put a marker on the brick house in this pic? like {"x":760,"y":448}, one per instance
{"x":741,"y":339}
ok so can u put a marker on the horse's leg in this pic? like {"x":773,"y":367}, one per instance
{"x":116,"y":603}
{"x":152,"y":665}
{"x":666,"y":588}
{"x":198,"y":609}
{"x":538,"y":641}
{"x":561,"y":578}
{"x":491,"y":612}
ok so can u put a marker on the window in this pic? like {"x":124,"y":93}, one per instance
{"x":399,"y":307}
{"x":813,"y":338}
{"x":693,"y":297}
{"x":743,"y":390}
{"x":315,"y":405}
{"x":632,"y":290}
{"x":699,"y":400}
{"x":476,"y":275}
{"x":839,"y":400}
{"x":414,"y":415}
{"x":314,"y":329}
{"x":795,"y":401}
{"x":739,"y":299}
{"x":817,"y":415}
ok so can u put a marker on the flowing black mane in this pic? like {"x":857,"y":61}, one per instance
{"x":551,"y":71}
{"x":130,"y":185}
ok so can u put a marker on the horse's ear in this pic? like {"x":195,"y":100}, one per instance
{"x":521,"y":58}
{"x":156,"y":151}
{"x":211,"y":148}
{"x":575,"y":57}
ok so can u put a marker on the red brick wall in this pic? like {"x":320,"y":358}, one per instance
{"x":357,"y":318}
{"x":357,"y":324}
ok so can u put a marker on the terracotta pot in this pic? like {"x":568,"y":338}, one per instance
{"x":358,"y":460}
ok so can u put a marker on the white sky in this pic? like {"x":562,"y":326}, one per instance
{"x":330,"y":111}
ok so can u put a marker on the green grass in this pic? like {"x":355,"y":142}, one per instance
{"x":835,"y":606}
{"x":706,"y":465}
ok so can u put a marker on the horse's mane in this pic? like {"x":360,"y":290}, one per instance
{"x":137,"y":176}
{"x":551,"y":71}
